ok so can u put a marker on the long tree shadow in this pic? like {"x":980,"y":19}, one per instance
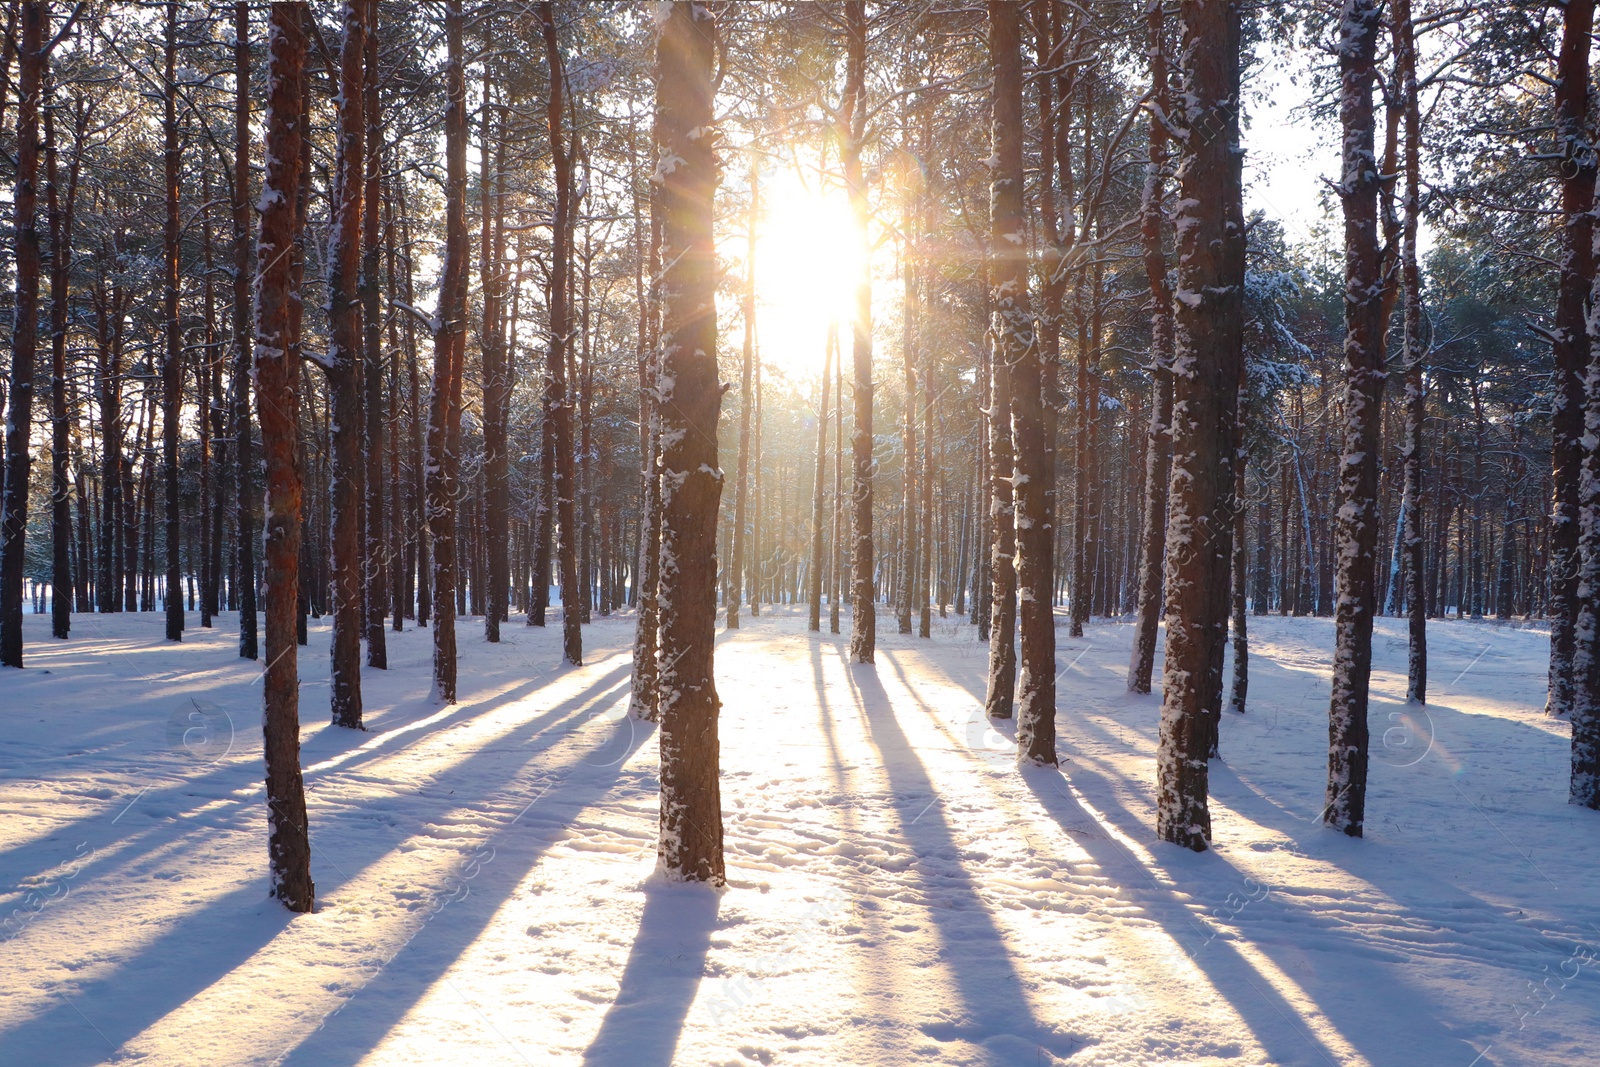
{"x":995,"y":1010}
{"x":122,"y":847}
{"x":224,"y":779}
{"x":659,"y":982}
{"x":1378,"y":1016}
{"x":360,"y":1024}
{"x":209,"y":942}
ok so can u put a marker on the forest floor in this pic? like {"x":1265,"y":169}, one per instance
{"x":899,"y":893}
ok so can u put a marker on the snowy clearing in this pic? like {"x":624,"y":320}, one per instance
{"x":899,"y":892}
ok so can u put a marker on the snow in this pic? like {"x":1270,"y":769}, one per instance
{"x":898,"y":891}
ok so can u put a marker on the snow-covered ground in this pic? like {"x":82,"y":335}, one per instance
{"x":899,"y":892}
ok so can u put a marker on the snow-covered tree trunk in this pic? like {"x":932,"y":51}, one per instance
{"x":244,"y":451}
{"x":906,"y":581}
{"x":172,"y":329}
{"x":853,"y":121}
{"x":277,"y":376}
{"x":564,"y":485}
{"x":644,"y":701}
{"x":819,"y":506}
{"x":1016,"y":348}
{"x":1239,"y":688}
{"x":1356,"y":525}
{"x":1000,"y":466}
{"x":347,"y":469}
{"x":1571,"y":342}
{"x":690,"y":845}
{"x":24,"y":333}
{"x":60,"y":215}
{"x":836,"y":554}
{"x":1207,"y":352}
{"x":735,"y":569}
{"x":375,"y":555}
{"x":1584,"y":707}
{"x":1416,"y":351}
{"x":496,"y":382}
{"x":1158,"y":445}
{"x":449,"y":342}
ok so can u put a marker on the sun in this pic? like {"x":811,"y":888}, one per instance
{"x":808,"y":256}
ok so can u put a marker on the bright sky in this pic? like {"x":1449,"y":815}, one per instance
{"x":805,"y":264}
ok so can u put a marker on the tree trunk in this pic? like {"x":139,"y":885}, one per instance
{"x":1158,"y":447}
{"x":1356,"y":526}
{"x":1572,"y":343}
{"x":243,"y":451}
{"x":449,"y":345}
{"x":344,"y":367}
{"x":277,"y":376}
{"x":172,"y":355}
{"x":24,"y":333}
{"x":853,"y":119}
{"x":1240,"y":687}
{"x":646,"y":641}
{"x":818,"y":502}
{"x":377,"y":571}
{"x":741,"y":503}
{"x":690,"y":847}
{"x":1207,"y":350}
{"x":1016,"y":349}
{"x":560,"y":404}
{"x":60,"y":216}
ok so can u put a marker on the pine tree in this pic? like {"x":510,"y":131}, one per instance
{"x":1207,"y":351}
{"x":1356,"y":529}
{"x":277,"y":374}
{"x":1158,"y":439}
{"x":344,"y":369}
{"x":690,"y":848}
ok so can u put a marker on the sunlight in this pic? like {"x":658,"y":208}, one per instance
{"x":807,"y":260}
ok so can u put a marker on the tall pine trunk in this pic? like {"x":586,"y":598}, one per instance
{"x":1158,"y":441}
{"x":1416,"y":352}
{"x":818,"y":501}
{"x":378,"y":568}
{"x":690,"y":845}
{"x":1572,"y":342}
{"x":563,"y":486}
{"x":1017,"y":349}
{"x":1356,"y":525}
{"x":24,"y":333}
{"x":449,"y":348}
{"x":853,"y":121}
{"x":347,"y":468}
{"x":1207,"y":350}
{"x":277,"y":374}
{"x":60,"y":216}
{"x":741,"y":501}
{"x":243,"y":449}
{"x":172,"y":353}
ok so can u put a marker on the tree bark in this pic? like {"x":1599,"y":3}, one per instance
{"x":24,"y":333}
{"x":818,"y":502}
{"x":1017,"y":350}
{"x":172,"y":355}
{"x":1572,"y":342}
{"x":344,"y":368}
{"x":375,"y":551}
{"x":449,"y":345}
{"x":1158,"y":446}
{"x":277,"y":376}
{"x":1356,"y":526}
{"x":496,"y":387}
{"x":560,"y":403}
{"x":1207,"y":351}
{"x":853,"y":121}
{"x":60,"y":215}
{"x":690,"y":848}
{"x":741,"y":502}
